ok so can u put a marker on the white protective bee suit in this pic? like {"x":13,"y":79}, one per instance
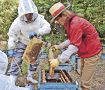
{"x":20,"y":29}
{"x":7,"y":82}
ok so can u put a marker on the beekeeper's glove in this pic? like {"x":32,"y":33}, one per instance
{"x":11,"y":53}
{"x":54,"y":62}
{"x":32,"y":34}
{"x":55,"y":47}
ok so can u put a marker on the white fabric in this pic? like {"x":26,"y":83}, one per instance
{"x":7,"y":83}
{"x":26,"y":6}
{"x":19,"y":30}
{"x":14,"y":78}
{"x":64,"y":44}
{"x":30,"y":77}
{"x":11,"y":42}
{"x":20,"y":88}
{"x":3,"y":62}
{"x":67,"y":53}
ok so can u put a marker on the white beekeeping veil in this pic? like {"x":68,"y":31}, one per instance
{"x":3,"y":62}
{"x":27,"y":6}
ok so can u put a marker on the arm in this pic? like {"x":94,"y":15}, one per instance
{"x":13,"y":35}
{"x":64,"y":56}
{"x":67,"y":53}
{"x":45,"y":26}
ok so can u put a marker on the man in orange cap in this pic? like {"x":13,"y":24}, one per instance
{"x":83,"y":39}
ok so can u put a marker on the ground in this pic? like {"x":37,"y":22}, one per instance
{"x":99,"y":78}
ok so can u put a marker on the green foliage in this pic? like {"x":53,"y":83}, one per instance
{"x":92,"y":10}
{"x":8,"y":12}
{"x":57,"y":34}
{"x":101,"y":29}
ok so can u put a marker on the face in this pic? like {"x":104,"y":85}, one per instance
{"x":29,"y":16}
{"x":60,"y":20}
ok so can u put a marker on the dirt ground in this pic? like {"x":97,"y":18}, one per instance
{"x":99,"y":78}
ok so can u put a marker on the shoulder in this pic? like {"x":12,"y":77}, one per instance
{"x":40,"y":16}
{"x":15,"y":24}
{"x":77,"y":19}
{"x":41,"y":19}
{"x":16,"y":21}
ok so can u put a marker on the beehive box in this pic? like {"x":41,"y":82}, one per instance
{"x":60,"y":81}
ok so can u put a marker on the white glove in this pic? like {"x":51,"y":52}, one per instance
{"x":67,"y":53}
{"x":54,"y":62}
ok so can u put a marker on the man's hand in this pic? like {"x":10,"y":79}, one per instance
{"x":54,"y":62}
{"x":32,"y":34}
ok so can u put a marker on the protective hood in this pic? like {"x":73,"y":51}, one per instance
{"x":3,"y":62}
{"x":26,"y":6}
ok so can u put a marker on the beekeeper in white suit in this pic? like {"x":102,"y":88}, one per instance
{"x":7,"y":82}
{"x":27,"y":24}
